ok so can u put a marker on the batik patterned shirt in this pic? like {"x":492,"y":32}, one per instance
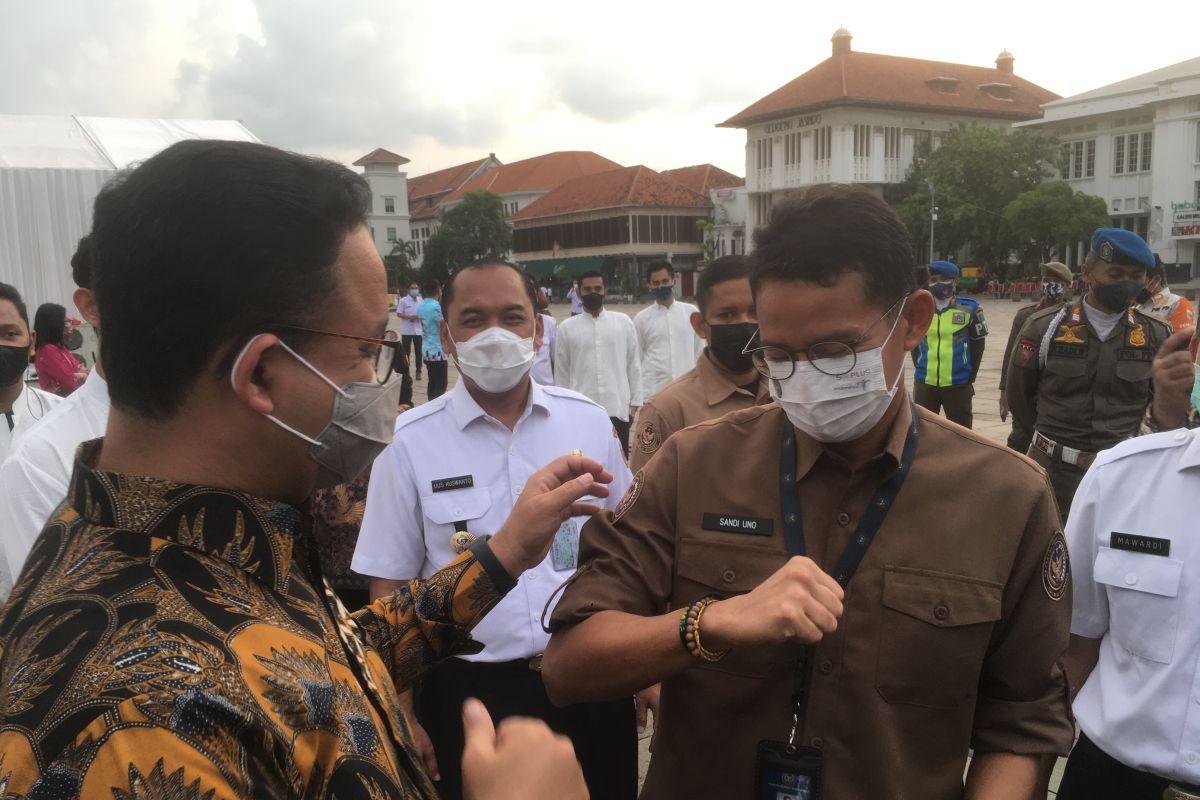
{"x":175,"y":641}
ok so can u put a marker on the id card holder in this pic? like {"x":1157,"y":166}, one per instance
{"x":564,"y":550}
{"x":787,"y":773}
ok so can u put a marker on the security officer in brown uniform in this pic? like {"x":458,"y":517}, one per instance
{"x":1080,"y":376}
{"x":724,"y":379}
{"x":827,"y":621}
{"x":1056,"y":278}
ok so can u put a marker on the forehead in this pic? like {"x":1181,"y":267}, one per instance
{"x":9,"y":314}
{"x":595,"y":280}
{"x":799,"y":314}
{"x":660,"y":273}
{"x":734,"y":290}
{"x":489,"y":288}
{"x":362,"y":283}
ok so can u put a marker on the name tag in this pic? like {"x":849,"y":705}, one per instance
{"x":446,"y":484}
{"x":728,"y":523}
{"x":1134,"y":355}
{"x":1139,"y":544}
{"x":564,"y":551}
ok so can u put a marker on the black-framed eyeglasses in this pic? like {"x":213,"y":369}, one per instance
{"x":831,"y":358}
{"x":385,"y":358}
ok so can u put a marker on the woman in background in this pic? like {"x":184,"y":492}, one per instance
{"x":58,"y":371}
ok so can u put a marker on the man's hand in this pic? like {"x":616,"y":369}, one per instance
{"x":799,"y":603}
{"x":424,"y":747}
{"x":1173,"y":376}
{"x":550,"y":497}
{"x":1003,"y":403}
{"x":524,"y":760}
{"x":646,"y":703}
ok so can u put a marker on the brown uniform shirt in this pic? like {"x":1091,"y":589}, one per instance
{"x":1076,"y":389}
{"x":953,"y":628}
{"x":1019,"y":319}
{"x":704,"y":393}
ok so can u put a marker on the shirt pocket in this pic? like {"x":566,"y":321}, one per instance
{"x":1132,"y":386}
{"x":1143,"y":613}
{"x":933,"y":635}
{"x":725,"y":569}
{"x":459,"y":505}
{"x":1067,"y":369}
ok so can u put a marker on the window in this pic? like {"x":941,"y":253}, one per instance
{"x":762,"y":209}
{"x":1133,"y":152}
{"x":791,"y":149}
{"x":766,"y":155}
{"x":1076,"y":159}
{"x":389,"y":205}
{"x":822,"y":143}
{"x":1147,"y":149}
{"x":1118,"y":155}
{"x":891,"y":142}
{"x":1079,"y":159}
{"x":391,"y":234}
{"x":1089,"y":164}
{"x":862,"y":141}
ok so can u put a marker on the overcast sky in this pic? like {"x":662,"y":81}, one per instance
{"x":445,"y":82}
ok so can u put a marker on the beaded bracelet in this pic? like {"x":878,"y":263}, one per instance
{"x":689,"y":630}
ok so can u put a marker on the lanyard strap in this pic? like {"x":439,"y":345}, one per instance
{"x":856,"y":548}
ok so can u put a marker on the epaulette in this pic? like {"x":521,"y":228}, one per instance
{"x":1145,"y":444}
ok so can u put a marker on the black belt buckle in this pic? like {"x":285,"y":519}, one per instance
{"x":785,"y":772}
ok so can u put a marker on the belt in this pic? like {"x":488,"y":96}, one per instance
{"x":1067,"y":455}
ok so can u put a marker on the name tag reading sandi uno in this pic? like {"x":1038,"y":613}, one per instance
{"x":732,"y":523}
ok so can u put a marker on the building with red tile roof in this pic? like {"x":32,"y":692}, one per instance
{"x":703,"y":178}
{"x":426,"y":193}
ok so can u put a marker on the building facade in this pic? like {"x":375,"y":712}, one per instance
{"x":1136,"y":144}
{"x":389,"y":217}
{"x":426,"y":192}
{"x":727,"y":196}
{"x":862,"y":118}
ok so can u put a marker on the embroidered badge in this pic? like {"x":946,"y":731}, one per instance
{"x":1106,"y":251}
{"x":1026,"y":349}
{"x":958,"y":318}
{"x":1056,"y":568}
{"x":1068,"y":333}
{"x":631,"y":496}
{"x":648,"y":438}
{"x":1137,"y":336}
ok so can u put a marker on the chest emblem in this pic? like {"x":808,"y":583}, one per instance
{"x":631,"y":496}
{"x":1056,"y":568}
{"x":1137,"y":336}
{"x":1068,"y":333}
{"x":958,"y":318}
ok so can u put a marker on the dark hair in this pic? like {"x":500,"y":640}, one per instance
{"x":205,"y":245}
{"x":9,"y":292}
{"x":526,"y":281}
{"x":657,"y":264}
{"x":833,"y":229}
{"x":725,"y":268}
{"x":49,"y":323}
{"x":429,"y":288}
{"x":593,"y":273}
{"x":81,"y":263}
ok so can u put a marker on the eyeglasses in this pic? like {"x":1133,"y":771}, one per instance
{"x":385,"y":358}
{"x":831,"y":358}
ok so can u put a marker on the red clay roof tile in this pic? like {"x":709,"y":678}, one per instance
{"x":628,"y":186}
{"x":703,"y":178}
{"x":540,"y":173}
{"x":381,"y":156}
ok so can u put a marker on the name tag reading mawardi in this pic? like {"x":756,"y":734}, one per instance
{"x":732,"y":523}
{"x":1139,"y":544}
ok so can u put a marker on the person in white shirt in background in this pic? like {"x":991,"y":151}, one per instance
{"x":597,"y":355}
{"x":21,"y":404}
{"x":573,"y":297}
{"x":543,"y":359}
{"x":35,"y":475}
{"x":669,"y":345}
{"x":410,"y":325}
{"x":452,"y":475}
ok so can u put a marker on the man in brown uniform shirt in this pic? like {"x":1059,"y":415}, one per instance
{"x":946,"y":638}
{"x":1080,"y":376}
{"x":724,"y":378}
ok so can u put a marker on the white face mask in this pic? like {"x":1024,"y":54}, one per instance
{"x":496,"y":359}
{"x":838,"y":408}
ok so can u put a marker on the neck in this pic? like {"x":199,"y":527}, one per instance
{"x":507,"y":407}
{"x":736,"y":378}
{"x":666,"y":302}
{"x":1090,"y":300}
{"x":872,"y":443}
{"x":9,"y":395}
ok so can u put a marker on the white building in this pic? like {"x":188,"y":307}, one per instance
{"x":1136,"y":143}
{"x":861,"y":118}
{"x":426,"y":192}
{"x":389,"y":219}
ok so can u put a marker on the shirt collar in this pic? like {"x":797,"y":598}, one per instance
{"x":253,"y":534}
{"x":466,"y":410}
{"x":1190,"y":457}
{"x":808,"y":450}
{"x":715,"y":382}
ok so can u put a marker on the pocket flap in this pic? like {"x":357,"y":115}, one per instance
{"x":939,"y":598}
{"x":446,"y":508}
{"x":1140,"y":572}
{"x":727,"y":567}
{"x":1133,"y":371}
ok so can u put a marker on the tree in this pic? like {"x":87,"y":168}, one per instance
{"x":975,"y":174}
{"x":399,"y":264}
{"x":474,"y":228}
{"x":1051,"y":215}
{"x":708,"y":231}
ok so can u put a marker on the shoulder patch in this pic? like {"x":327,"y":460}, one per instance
{"x":1056,"y":567}
{"x":1026,"y":350}
{"x":648,"y":438}
{"x":631,"y":496}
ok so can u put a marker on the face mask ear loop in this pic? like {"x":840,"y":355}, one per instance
{"x":896,"y":322}
{"x":272,"y":417}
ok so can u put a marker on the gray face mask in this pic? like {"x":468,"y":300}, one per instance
{"x":361,"y":426}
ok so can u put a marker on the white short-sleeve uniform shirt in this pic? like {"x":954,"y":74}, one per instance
{"x":451,"y":463}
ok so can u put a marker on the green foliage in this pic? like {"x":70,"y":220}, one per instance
{"x":708,"y":232}
{"x":975,"y":173}
{"x":399,"y":265}
{"x":474,"y":228}
{"x":1051,"y":215}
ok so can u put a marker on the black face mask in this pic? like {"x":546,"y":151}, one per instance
{"x":942,"y":289}
{"x":13,"y":361}
{"x":727,"y":342}
{"x":1114,"y":297}
{"x":593,"y":301}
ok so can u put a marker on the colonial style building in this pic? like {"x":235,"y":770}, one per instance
{"x":862,"y":117}
{"x":426,"y":192}
{"x":1136,"y":143}
{"x":727,"y":194}
{"x":389,"y":217}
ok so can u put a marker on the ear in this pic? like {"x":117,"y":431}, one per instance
{"x":700,"y":326}
{"x":539,"y":331}
{"x":32,"y":343}
{"x":250,"y":383}
{"x":918,"y":313}
{"x":85,"y":301}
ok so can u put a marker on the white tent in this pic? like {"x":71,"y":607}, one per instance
{"x":52,"y":168}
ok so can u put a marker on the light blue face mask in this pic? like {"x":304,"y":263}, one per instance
{"x":1196,"y":387}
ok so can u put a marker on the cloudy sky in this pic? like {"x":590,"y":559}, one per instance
{"x":447,"y":82}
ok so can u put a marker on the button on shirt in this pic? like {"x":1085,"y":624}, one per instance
{"x":450,"y":462}
{"x":1135,"y":557}
{"x":669,"y":346}
{"x":598,"y":357}
{"x":409,"y":305}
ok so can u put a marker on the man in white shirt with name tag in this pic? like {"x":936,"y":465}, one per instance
{"x":452,"y":475}
{"x":1135,"y":637}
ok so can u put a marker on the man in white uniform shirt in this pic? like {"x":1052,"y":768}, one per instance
{"x":451,"y":475}
{"x":21,"y":404}
{"x":668,"y":343}
{"x":1135,"y":635}
{"x":597,"y":355}
{"x":410,"y":325}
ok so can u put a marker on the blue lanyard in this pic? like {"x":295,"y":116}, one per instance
{"x":856,"y":548}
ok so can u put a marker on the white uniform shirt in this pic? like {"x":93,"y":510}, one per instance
{"x":451,"y":462}
{"x":542,"y":370}
{"x":407,"y":304}
{"x":669,"y":346}
{"x":1141,"y":704}
{"x":598,"y":357}
{"x":35,"y":477}
{"x":30,"y":406}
